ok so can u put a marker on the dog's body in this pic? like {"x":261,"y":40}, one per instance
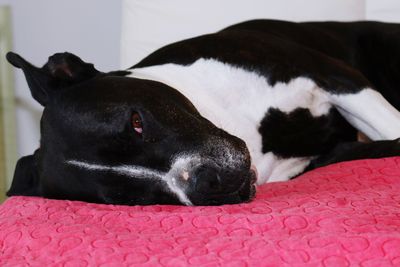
{"x":295,"y":93}
{"x":278,"y":86}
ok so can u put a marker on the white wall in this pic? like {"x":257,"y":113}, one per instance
{"x":383,"y":10}
{"x":88,"y":28}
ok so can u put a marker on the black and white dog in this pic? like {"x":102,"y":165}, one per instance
{"x":187,"y":123}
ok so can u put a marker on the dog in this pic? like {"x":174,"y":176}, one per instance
{"x":201,"y":121}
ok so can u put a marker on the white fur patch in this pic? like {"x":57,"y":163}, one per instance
{"x":236,"y":100}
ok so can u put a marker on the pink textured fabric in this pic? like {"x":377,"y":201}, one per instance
{"x":347,"y":214}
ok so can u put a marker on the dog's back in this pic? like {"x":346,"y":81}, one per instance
{"x":371,"y":47}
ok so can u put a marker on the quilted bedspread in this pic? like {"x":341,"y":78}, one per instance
{"x":347,"y":214}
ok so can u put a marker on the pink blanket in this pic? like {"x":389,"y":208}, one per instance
{"x":347,"y":214}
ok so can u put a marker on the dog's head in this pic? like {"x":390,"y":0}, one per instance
{"x":113,"y":139}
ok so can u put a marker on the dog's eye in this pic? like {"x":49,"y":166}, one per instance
{"x":137,"y":123}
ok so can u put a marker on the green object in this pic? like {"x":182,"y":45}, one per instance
{"x":7,"y":106}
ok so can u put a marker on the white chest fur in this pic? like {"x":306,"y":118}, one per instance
{"x":236,"y":100}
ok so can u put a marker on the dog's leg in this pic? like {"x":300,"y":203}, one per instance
{"x":369,"y":112}
{"x":357,"y":150}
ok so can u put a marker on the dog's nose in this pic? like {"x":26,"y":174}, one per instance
{"x":207,"y":180}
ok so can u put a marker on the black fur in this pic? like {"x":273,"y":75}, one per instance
{"x":26,"y":179}
{"x":340,"y":56}
{"x":357,"y":150}
{"x":278,"y":57}
{"x":299,"y":134}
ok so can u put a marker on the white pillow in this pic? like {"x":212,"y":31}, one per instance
{"x":150,"y":24}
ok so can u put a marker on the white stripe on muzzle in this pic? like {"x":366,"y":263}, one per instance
{"x":143,"y":173}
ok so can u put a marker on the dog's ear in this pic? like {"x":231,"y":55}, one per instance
{"x":61,"y":70}
{"x":26,"y":178}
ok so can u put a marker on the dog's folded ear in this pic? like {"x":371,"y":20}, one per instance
{"x":26,"y":178}
{"x":61,"y":70}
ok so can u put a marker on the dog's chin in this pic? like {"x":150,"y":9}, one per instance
{"x":245,"y":193}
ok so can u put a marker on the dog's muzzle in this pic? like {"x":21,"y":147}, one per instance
{"x":209,"y":185}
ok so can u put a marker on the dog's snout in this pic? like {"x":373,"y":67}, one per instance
{"x":207,"y":180}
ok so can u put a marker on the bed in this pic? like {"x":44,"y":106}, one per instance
{"x":345,"y":214}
